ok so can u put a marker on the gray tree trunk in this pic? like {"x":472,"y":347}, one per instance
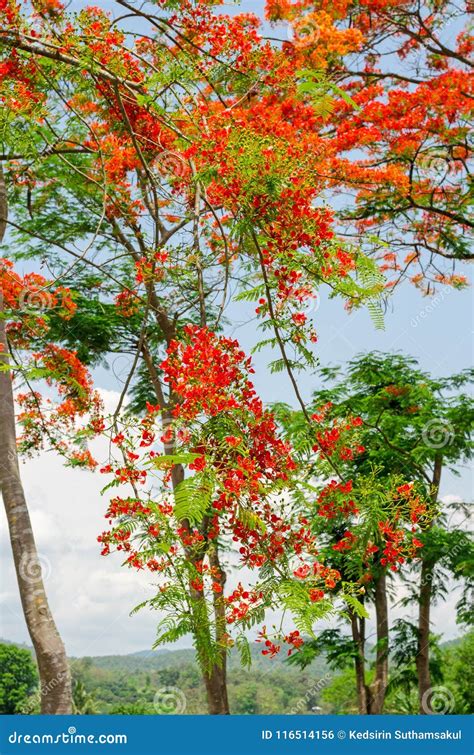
{"x":424,"y":609}
{"x":379,"y":687}
{"x":55,"y":682}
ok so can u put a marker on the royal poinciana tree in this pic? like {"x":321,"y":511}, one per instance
{"x":179,"y":189}
{"x":413,"y":427}
{"x":160,"y":173}
{"x":408,"y":65}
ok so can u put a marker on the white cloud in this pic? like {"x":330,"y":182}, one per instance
{"x":451,"y":498}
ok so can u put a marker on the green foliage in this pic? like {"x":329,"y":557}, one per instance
{"x":132,"y":709}
{"x":451,"y":669}
{"x":404,"y":647}
{"x":192,"y":498}
{"x":251,"y":520}
{"x":355,"y":605}
{"x":84,"y":702}
{"x":338,"y":649}
{"x":318,"y":86}
{"x":459,"y":673}
{"x":128,"y":684}
{"x":373,"y":281}
{"x":94,"y":330}
{"x":294,"y":598}
{"x":18,"y":677}
{"x":243,"y":647}
{"x":170,"y":630}
{"x":403,"y":408}
{"x":170,"y":460}
{"x":340,"y":697}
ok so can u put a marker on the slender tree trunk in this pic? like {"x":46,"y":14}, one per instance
{"x":423,"y":656}
{"x":363,"y":692}
{"x":424,"y":609}
{"x":214,"y":678}
{"x":55,"y":682}
{"x":216,"y":691}
{"x":216,"y":685}
{"x":379,"y":686}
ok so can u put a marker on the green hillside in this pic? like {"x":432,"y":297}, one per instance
{"x":168,"y":681}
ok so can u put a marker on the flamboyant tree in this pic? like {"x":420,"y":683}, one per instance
{"x":160,"y":173}
{"x":412,"y":427}
{"x":236,"y":500}
{"x":181,"y":186}
{"x":405,"y":155}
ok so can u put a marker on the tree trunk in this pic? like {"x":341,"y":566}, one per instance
{"x":216,"y":691}
{"x":424,"y":609}
{"x":215,"y":678}
{"x":363,"y":692}
{"x":423,"y":656}
{"x":216,"y":683}
{"x":379,"y":686}
{"x":55,"y":683}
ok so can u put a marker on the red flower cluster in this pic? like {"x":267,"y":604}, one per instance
{"x":333,"y":500}
{"x":209,"y":374}
{"x":240,"y":602}
{"x":332,"y":440}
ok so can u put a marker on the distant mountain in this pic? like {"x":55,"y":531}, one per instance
{"x":160,"y":658}
{"x":155,"y":660}
{"x":17,"y":644}
{"x":169,"y":658}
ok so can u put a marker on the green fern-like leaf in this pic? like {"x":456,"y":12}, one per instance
{"x":170,"y":630}
{"x":373,"y":281}
{"x":356,"y":606}
{"x":295,"y":599}
{"x":165,"y":461}
{"x":250,"y":520}
{"x":244,"y":650}
{"x":192,"y":498}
